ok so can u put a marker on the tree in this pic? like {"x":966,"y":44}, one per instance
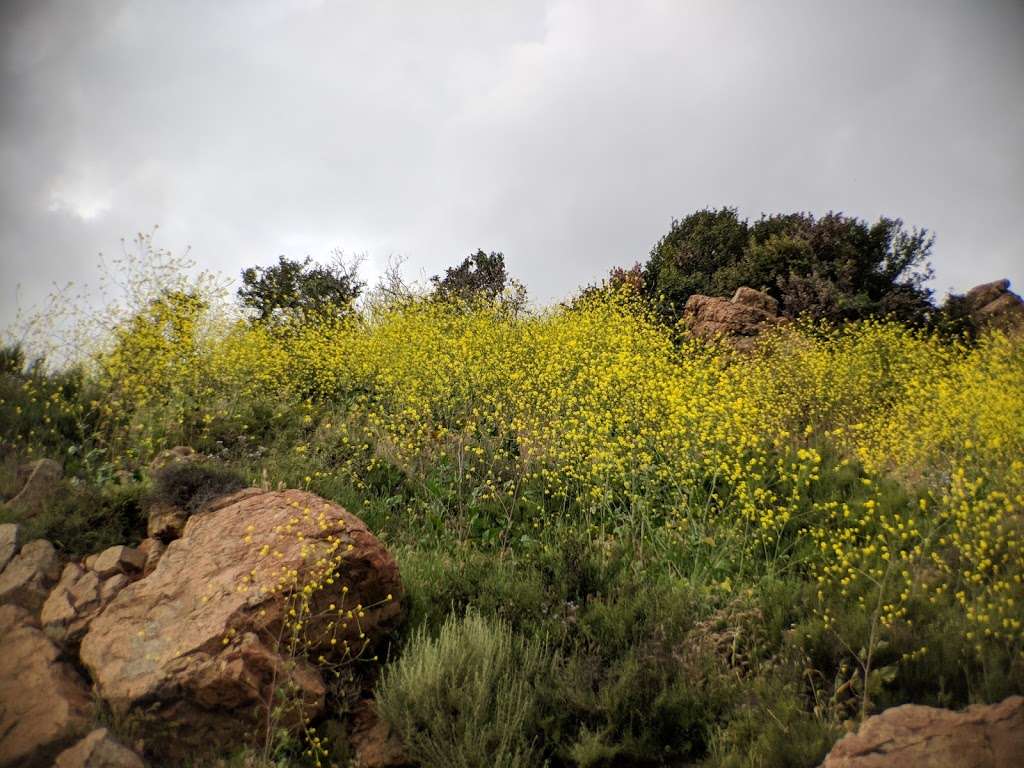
{"x":835,"y":267}
{"x":301,"y":289}
{"x":480,"y":277}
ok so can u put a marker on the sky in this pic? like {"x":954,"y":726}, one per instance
{"x":565,"y":134}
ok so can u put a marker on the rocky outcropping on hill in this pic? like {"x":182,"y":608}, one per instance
{"x":994,"y":305}
{"x":737,"y":320}
{"x":979,"y":737}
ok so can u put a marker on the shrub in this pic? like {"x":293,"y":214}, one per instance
{"x":467,"y":697}
{"x":188,"y":485}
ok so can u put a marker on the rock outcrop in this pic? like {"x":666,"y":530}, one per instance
{"x":202,"y":641}
{"x":44,"y":703}
{"x":979,"y":737}
{"x":98,"y":750}
{"x":40,"y":482}
{"x":737,"y":320}
{"x":994,"y":305}
{"x":77,"y":599}
{"x":27,"y":579}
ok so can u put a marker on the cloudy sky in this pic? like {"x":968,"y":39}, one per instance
{"x":566,"y":134}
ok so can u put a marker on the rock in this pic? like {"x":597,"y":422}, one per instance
{"x":77,"y":599}
{"x":90,"y":561}
{"x":180,"y":454}
{"x":166,"y":522}
{"x":98,"y":750}
{"x":27,"y":579}
{"x":119,"y":559}
{"x":197,"y":640}
{"x":738,"y":320}
{"x":375,"y":745}
{"x":41,"y":483}
{"x":982,"y":736}
{"x":10,"y":540}
{"x":994,"y":305}
{"x":44,"y":704}
{"x":153,"y":549}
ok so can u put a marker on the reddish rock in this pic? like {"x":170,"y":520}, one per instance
{"x":10,"y":540}
{"x":153,"y":549}
{"x":375,"y":745}
{"x":98,"y":750}
{"x":994,"y":305}
{"x":179,"y":454}
{"x":738,"y":320}
{"x":77,"y":599}
{"x":197,"y":641}
{"x":981,"y":736}
{"x":166,"y":522}
{"x":40,"y":483}
{"x":27,"y":579}
{"x":44,"y":704}
{"x":119,"y":559}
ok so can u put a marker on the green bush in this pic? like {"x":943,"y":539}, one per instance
{"x":188,"y":485}
{"x":82,"y":519}
{"x":467,"y":697}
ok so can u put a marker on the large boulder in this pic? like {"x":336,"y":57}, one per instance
{"x":44,"y":703}
{"x":737,"y":320}
{"x":40,"y":482}
{"x":981,"y":736}
{"x":259,"y":584}
{"x":98,"y":750}
{"x":994,"y":305}
{"x":27,"y":579}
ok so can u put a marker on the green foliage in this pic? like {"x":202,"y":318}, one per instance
{"x":835,"y":267}
{"x":83,"y":519}
{"x":188,"y":485}
{"x":467,"y":697}
{"x":481,"y":277}
{"x":300,"y":290}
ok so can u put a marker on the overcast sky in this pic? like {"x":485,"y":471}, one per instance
{"x":565,"y":134}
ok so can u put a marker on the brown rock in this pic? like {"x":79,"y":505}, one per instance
{"x":98,"y":750}
{"x":153,"y":549}
{"x":10,"y":540}
{"x":180,"y":454}
{"x":994,"y":305}
{"x":44,"y":704}
{"x":981,"y":736}
{"x":197,"y":640}
{"x":737,"y":320}
{"x":375,"y":745}
{"x":27,"y":579}
{"x":166,"y":522}
{"x":119,"y":559}
{"x":41,"y":483}
{"x":76,"y":600}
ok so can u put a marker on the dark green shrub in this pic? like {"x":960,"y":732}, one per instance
{"x":189,"y":485}
{"x":82,"y":519}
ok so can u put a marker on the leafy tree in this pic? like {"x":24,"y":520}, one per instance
{"x":480,"y":277}
{"x":300,"y":289}
{"x":835,"y":267}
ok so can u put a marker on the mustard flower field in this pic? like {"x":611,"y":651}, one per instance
{"x":621,"y":545}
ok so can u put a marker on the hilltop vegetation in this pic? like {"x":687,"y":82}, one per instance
{"x":621,"y":545}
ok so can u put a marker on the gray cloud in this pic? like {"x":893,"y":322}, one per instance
{"x":566,"y":134}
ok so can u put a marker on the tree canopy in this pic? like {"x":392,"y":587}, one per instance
{"x":834,"y":267}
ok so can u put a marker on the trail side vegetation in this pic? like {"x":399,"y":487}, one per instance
{"x":622,"y":546}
